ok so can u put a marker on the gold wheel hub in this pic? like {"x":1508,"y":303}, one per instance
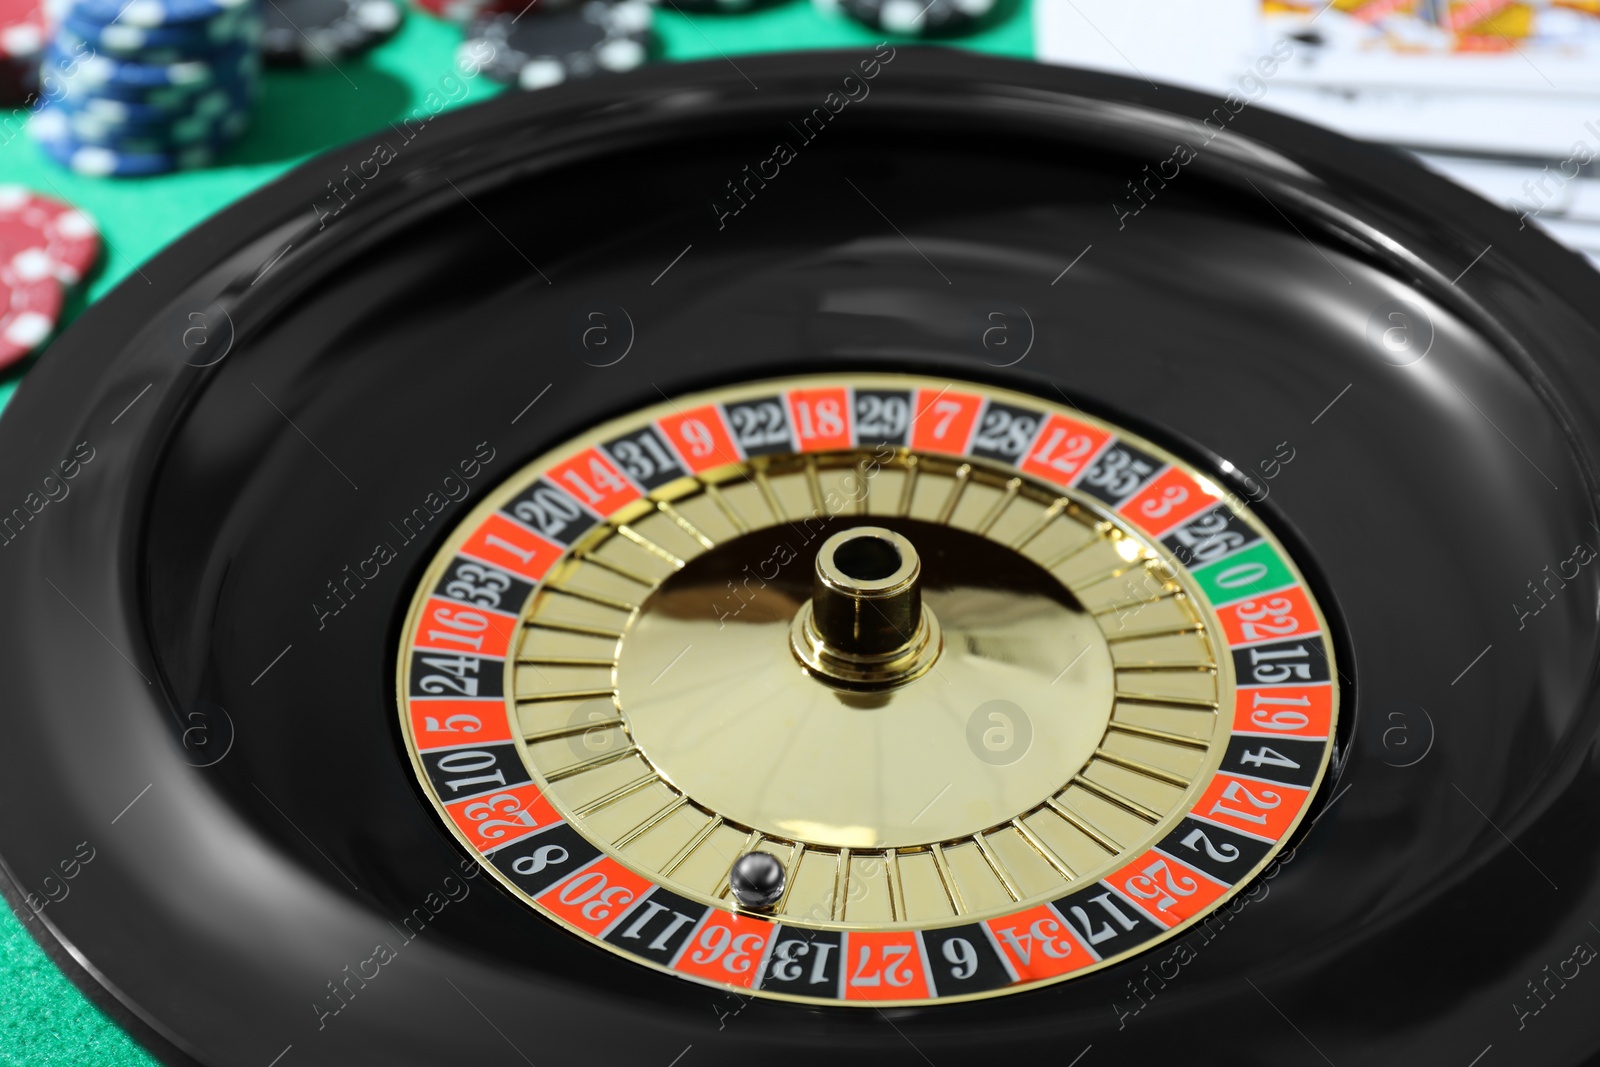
{"x":783,"y":747}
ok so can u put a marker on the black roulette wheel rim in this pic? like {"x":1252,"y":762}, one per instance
{"x":210,"y":927}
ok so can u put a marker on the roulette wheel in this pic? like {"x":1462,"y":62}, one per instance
{"x":938,"y":558}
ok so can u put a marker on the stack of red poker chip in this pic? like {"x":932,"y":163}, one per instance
{"x":22,"y":41}
{"x":46,"y":247}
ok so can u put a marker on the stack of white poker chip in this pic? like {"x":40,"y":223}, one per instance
{"x":148,"y":86}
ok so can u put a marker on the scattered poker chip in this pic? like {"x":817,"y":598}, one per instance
{"x":299,"y":33}
{"x":30,"y":305}
{"x":31,"y":224}
{"x":913,"y":18}
{"x":555,"y":46}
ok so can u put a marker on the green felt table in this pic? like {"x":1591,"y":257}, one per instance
{"x":44,"y":1020}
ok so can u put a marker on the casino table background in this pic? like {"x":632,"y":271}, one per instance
{"x":44,"y":1020}
{"x":302,"y":113}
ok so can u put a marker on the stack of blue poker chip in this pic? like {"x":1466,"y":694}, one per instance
{"x":148,"y":86}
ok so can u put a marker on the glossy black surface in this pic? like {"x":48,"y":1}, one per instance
{"x":1228,"y":319}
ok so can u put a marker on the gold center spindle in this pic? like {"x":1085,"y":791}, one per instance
{"x":867,"y":596}
{"x":865,"y":626}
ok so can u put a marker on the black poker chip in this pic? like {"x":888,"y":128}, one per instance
{"x":559,"y":46}
{"x":914,"y":18}
{"x":302,"y":33}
